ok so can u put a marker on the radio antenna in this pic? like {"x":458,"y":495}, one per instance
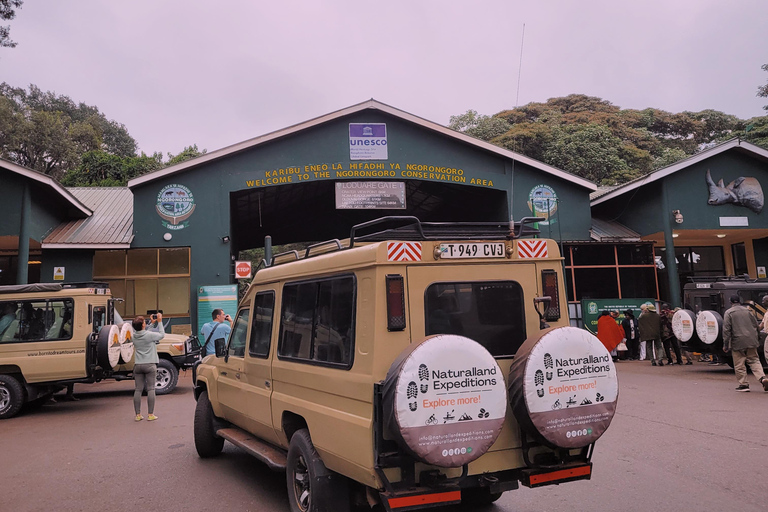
{"x":520,"y":68}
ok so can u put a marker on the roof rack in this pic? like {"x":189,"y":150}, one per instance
{"x":411,"y":228}
{"x":49,"y":287}
{"x":717,"y":279}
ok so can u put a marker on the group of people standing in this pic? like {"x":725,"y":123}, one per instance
{"x":648,"y":337}
{"x":651,"y":336}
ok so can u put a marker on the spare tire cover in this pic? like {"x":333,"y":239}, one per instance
{"x":445,"y":400}
{"x":108,"y":347}
{"x":563,"y":387}
{"x":126,"y":342}
{"x":684,"y":325}
{"x":709,"y":326}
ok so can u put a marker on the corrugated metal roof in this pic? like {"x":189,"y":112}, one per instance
{"x":110,"y":226}
{"x":605,"y":230}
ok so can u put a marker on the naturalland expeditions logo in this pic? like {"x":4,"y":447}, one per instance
{"x":567,"y":369}
{"x":175,"y":205}
{"x":542,"y":201}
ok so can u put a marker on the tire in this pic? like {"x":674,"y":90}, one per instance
{"x":478,"y":496}
{"x":207,"y":443}
{"x":167,"y":377}
{"x":11,"y":397}
{"x":311,"y":486}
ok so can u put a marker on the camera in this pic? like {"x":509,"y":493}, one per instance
{"x":154,"y":317}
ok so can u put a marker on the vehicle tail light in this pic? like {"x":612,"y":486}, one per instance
{"x":549,"y":288}
{"x":395,"y":303}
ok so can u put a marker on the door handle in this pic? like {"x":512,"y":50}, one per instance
{"x":267,"y":384}
{"x":222,"y":373}
{"x":237,"y":375}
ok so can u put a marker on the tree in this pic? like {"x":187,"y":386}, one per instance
{"x":102,"y":169}
{"x":7,"y":12}
{"x":51,"y":133}
{"x":479,"y":126}
{"x":762,"y":91}
{"x":187,"y":153}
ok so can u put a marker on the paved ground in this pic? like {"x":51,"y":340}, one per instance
{"x":682,"y":440}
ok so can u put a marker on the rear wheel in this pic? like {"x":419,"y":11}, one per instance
{"x":207,"y":443}
{"x":167,"y":377}
{"x":11,"y":396}
{"x":311,"y":486}
{"x":478,"y":496}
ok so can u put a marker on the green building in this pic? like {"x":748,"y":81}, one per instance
{"x":170,"y":233}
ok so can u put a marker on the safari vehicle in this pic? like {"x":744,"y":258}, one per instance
{"x":49,"y":337}
{"x":422,"y":365}
{"x":705,"y":302}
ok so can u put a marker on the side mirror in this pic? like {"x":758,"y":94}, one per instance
{"x":221,"y":347}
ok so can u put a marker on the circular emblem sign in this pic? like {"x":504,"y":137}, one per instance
{"x":542,"y":201}
{"x":175,"y":205}
{"x":563,"y":387}
{"x":445,"y":399}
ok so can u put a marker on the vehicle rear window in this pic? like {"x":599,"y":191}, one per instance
{"x":490,"y":313}
{"x":317,"y":321}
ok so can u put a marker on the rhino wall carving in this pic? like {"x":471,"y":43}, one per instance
{"x":741,"y":192}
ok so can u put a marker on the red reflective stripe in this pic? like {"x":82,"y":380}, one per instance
{"x":560,"y":475}
{"x":424,"y":499}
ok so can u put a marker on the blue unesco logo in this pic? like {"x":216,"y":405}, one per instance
{"x":175,"y":205}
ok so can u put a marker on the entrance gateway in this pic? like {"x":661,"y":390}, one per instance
{"x":316,"y":180}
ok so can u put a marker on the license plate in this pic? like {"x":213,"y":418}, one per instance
{"x":473,"y":250}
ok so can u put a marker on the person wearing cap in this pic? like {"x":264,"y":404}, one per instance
{"x":649,"y":325}
{"x":641,"y":343}
{"x":668,"y":337}
{"x":740,"y":337}
{"x":630,"y":333}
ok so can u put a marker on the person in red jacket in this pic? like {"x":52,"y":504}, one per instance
{"x":609,"y":332}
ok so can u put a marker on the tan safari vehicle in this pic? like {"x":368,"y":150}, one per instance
{"x":426,"y":364}
{"x":52,"y":335}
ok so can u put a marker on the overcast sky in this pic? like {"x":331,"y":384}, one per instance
{"x":182,"y":72}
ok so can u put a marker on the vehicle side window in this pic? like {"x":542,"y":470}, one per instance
{"x":490,"y":313}
{"x":237,"y":338}
{"x":261,"y":327}
{"x":39,"y":320}
{"x":317,"y":322}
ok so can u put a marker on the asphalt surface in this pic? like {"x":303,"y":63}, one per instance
{"x":682,"y":440}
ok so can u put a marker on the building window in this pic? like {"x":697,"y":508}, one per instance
{"x":610,"y":271}
{"x":147,"y":279}
{"x":739,"y":252}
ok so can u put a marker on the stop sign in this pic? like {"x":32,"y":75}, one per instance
{"x":242,"y":269}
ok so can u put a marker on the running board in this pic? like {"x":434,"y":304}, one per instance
{"x":273,"y":457}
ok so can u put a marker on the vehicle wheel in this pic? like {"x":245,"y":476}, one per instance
{"x":207,"y":443}
{"x":167,"y":377}
{"x":478,"y":496}
{"x":11,"y":396}
{"x":311,"y":486}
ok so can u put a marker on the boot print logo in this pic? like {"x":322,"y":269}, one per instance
{"x":548,"y":365}
{"x":424,"y":376}
{"x":411,"y":393}
{"x":538,"y":379}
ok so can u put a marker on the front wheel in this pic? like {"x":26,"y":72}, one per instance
{"x":207,"y":443}
{"x":11,"y":396}
{"x":167,"y":377}
{"x":311,"y":486}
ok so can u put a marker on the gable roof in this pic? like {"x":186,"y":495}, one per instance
{"x":610,"y":193}
{"x":110,"y":226}
{"x":46,"y":181}
{"x":369,"y":104}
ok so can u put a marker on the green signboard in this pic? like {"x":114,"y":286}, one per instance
{"x":215,"y":297}
{"x":591,"y":309}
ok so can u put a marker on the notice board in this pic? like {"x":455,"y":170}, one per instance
{"x":215,"y":297}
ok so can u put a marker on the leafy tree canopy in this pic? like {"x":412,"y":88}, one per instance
{"x":8,"y":12}
{"x":594,"y":139}
{"x":762,"y":91}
